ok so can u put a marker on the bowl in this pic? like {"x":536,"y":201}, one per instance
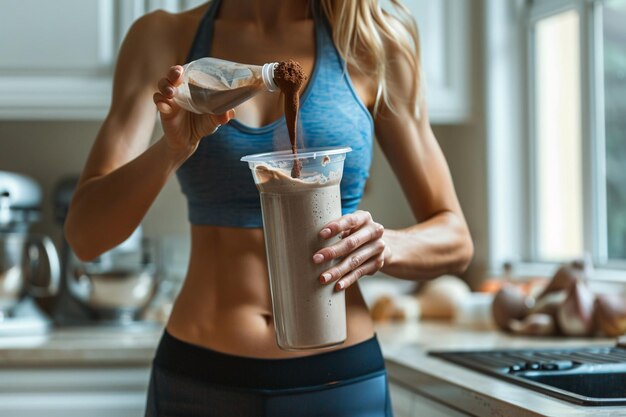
{"x":119,"y":292}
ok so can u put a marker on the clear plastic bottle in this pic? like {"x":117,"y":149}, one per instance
{"x":215,"y":86}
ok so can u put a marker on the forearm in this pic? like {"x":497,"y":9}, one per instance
{"x":440,"y":245}
{"x":105,"y":210}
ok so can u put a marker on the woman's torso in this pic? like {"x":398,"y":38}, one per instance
{"x":225,"y":301}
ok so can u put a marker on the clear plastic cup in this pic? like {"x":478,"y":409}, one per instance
{"x":307,"y":314}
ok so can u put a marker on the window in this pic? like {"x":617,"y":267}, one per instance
{"x":557,"y":150}
{"x":577,"y":111}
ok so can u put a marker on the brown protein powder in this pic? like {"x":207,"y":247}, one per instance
{"x":289,"y":77}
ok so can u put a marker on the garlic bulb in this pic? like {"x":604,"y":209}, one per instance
{"x":534,"y":325}
{"x":565,"y":277}
{"x":509,"y":304}
{"x":575,"y":315}
{"x":549,"y":303}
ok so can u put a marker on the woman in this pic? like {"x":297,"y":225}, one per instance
{"x":218,"y":355}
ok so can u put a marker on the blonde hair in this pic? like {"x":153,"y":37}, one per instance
{"x":362,"y":26}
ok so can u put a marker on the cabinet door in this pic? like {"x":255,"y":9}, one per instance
{"x":423,"y":406}
{"x":401,"y":400}
{"x":56,"y":37}
{"x":443,"y":27}
{"x":109,"y":404}
{"x":58,"y":56}
{"x":79,"y":392}
{"x":408,"y":403}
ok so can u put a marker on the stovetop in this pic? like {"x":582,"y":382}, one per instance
{"x":590,"y":376}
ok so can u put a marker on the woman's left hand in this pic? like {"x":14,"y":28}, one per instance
{"x":361,"y":247}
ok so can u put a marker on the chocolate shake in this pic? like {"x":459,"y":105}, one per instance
{"x":307,"y":314}
{"x":290,"y":77}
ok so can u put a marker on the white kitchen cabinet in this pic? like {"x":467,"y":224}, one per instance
{"x":57,"y":57}
{"x":444,"y":38}
{"x":408,"y":403}
{"x":443,"y":27}
{"x":401,"y":400}
{"x":73,"y":392}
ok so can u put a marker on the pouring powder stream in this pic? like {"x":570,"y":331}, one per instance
{"x":289,"y":77}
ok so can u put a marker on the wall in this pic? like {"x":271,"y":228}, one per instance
{"x":48,"y":151}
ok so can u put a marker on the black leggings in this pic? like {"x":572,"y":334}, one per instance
{"x":191,"y":381}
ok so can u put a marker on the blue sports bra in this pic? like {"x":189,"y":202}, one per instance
{"x":219,"y":187}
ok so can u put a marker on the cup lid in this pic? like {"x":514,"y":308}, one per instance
{"x":310,"y":153}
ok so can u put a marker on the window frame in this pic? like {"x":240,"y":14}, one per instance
{"x":592,"y":127}
{"x":523,"y":222}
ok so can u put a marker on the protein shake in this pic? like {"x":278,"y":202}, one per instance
{"x":307,"y":314}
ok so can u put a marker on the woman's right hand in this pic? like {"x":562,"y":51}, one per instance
{"x":183,"y":130}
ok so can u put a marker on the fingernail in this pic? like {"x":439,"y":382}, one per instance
{"x":340,"y":285}
{"x":169,"y":91}
{"x":326,"y":277}
{"x":317,"y":258}
{"x":325,"y":232}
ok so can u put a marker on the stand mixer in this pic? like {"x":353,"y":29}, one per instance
{"x":24,"y":257}
{"x":111,"y":290}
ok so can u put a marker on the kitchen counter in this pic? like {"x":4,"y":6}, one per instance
{"x":82,"y":346}
{"x":404,"y":347}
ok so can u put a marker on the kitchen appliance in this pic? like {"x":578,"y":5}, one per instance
{"x":589,"y":376}
{"x":25,"y":258}
{"x":112,"y":289}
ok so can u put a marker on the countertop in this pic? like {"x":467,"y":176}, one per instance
{"x":82,"y":346}
{"x":404,"y":347}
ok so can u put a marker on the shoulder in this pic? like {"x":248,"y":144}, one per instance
{"x":154,"y":43}
{"x":161,"y":21}
{"x":163,"y":35}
